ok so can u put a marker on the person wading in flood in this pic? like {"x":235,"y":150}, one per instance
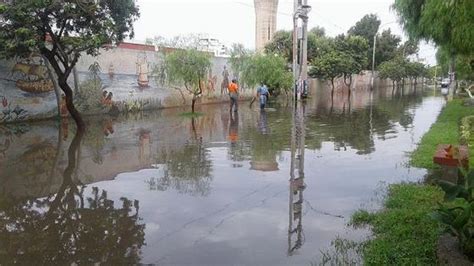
{"x":262,"y":95}
{"x":234,"y":95}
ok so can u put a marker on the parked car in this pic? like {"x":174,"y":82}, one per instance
{"x":445,"y":83}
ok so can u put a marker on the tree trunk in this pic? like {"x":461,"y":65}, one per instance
{"x":70,"y":104}
{"x":192,"y":103}
{"x":57,"y":89}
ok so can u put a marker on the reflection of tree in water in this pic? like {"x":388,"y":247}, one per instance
{"x":94,"y":138}
{"x":69,"y":227}
{"x":357,"y":128}
{"x":188,"y":168}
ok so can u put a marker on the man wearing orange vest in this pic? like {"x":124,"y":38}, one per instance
{"x":234,"y":95}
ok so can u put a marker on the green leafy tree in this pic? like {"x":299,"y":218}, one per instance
{"x":329,"y":66}
{"x":353,"y":48}
{"x":343,"y":56}
{"x":448,"y":24}
{"x":282,"y":44}
{"x":187,"y":68}
{"x":318,"y":31}
{"x":464,"y":64}
{"x":63,"y":30}
{"x":239,"y":56}
{"x":366,"y":27}
{"x":394,"y":69}
{"x":386,"y":48}
{"x":269,"y":69}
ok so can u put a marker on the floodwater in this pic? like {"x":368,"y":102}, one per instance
{"x":221,"y":189}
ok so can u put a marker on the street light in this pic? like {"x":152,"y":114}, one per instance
{"x":301,"y":12}
{"x":373,"y":54}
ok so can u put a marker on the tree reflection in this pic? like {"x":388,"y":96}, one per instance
{"x":188,"y":169}
{"x":358,"y":128}
{"x":70,"y":227}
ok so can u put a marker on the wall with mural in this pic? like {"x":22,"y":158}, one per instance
{"x":118,"y":80}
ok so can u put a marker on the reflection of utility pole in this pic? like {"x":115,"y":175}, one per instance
{"x":300,"y":47}
{"x":297,"y":185}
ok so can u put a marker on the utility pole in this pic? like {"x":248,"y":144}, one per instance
{"x":304,"y":54}
{"x":300,"y":47}
{"x":295,"y":51}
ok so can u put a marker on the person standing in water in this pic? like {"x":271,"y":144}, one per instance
{"x":234,"y":95}
{"x":262,"y":95}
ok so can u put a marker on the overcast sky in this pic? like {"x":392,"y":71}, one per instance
{"x":233,"y":21}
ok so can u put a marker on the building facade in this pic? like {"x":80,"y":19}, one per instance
{"x":265,"y":22}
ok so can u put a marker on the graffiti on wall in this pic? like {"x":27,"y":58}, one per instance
{"x":118,"y":80}
{"x":25,"y":89}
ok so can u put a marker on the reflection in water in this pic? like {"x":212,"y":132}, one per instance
{"x":265,"y":147}
{"x":186,"y":169}
{"x":71,"y":226}
{"x":297,"y":184}
{"x":206,"y":194}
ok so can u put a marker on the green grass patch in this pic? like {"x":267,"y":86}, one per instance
{"x":191,"y":114}
{"x":361,"y":218}
{"x":444,"y":131}
{"x":404,"y":233}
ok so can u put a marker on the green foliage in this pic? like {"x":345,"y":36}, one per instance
{"x":444,"y":130}
{"x":187,"y":68}
{"x":458,"y":212}
{"x":366,"y":27}
{"x":404,"y":234}
{"x":386,"y":47}
{"x":463,"y":63}
{"x":393,"y":69}
{"x":90,"y":93}
{"x":269,"y":69}
{"x":344,"y":56}
{"x":318,"y":31}
{"x":447,"y":23}
{"x":343,"y":252}
{"x":73,"y":26}
{"x":238,"y":58}
{"x":282,"y":44}
{"x":329,"y":66}
{"x":416,"y":69}
{"x":360,"y":218}
{"x":63,"y":30}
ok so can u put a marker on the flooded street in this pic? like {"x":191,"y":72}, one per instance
{"x":162,"y":188}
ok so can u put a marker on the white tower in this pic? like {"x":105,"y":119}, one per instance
{"x":265,"y":22}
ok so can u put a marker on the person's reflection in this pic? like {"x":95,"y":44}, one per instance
{"x":262,"y":123}
{"x":264,"y":154}
{"x":108,"y":127}
{"x":234,"y":128}
{"x":70,"y":226}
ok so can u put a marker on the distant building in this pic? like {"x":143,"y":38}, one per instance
{"x":265,"y":22}
{"x":213,"y":46}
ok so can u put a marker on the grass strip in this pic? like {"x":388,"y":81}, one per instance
{"x":444,"y":131}
{"x":404,"y":234}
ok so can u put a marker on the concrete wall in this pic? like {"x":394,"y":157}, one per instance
{"x":119,"y":76}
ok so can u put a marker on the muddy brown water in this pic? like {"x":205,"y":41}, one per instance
{"x":162,"y":188}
